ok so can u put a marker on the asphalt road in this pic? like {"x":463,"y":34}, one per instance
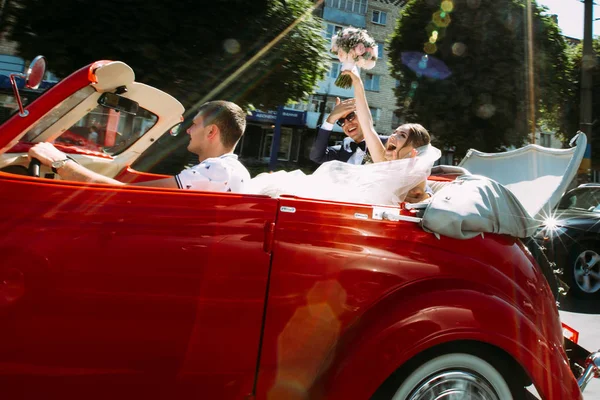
{"x":584,"y":316}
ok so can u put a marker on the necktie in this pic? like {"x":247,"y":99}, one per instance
{"x":354,"y":146}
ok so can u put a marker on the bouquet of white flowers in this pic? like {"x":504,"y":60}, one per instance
{"x":354,"y":47}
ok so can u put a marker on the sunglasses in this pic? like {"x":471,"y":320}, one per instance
{"x":350,"y":117}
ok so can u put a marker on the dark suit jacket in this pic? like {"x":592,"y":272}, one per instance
{"x":320,"y":152}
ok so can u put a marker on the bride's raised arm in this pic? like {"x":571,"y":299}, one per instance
{"x":376,"y":148}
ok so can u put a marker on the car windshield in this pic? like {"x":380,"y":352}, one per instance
{"x":57,"y":113}
{"x":587,"y":199}
{"x":104,"y":129}
{"x":100,"y":129}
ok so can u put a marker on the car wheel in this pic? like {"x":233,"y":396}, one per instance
{"x":455,"y":375}
{"x":583,"y":271}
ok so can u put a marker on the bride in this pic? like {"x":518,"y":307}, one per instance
{"x":401,"y":167}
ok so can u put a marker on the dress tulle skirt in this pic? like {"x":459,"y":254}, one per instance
{"x":385,"y":183}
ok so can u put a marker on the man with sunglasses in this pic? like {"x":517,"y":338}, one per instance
{"x":353,"y":148}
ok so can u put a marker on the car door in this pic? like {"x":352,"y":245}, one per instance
{"x":160,"y":292}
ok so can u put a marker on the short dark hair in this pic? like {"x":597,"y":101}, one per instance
{"x":418,"y":135}
{"x":228,"y":116}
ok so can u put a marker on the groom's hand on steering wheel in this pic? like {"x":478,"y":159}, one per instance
{"x":46,"y":153}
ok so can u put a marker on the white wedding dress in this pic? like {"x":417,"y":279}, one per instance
{"x":384,"y":183}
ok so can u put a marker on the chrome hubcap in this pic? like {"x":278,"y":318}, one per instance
{"x":454,"y":385}
{"x":586,"y":271}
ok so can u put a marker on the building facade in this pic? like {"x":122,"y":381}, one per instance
{"x":378,"y":17}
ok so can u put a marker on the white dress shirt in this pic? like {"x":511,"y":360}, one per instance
{"x":218,"y":174}
{"x":358,"y":156}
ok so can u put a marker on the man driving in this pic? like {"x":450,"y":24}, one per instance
{"x":215,"y":132}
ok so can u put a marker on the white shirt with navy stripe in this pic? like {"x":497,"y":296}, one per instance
{"x":218,"y":174}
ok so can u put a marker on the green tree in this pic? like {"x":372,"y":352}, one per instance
{"x":483,"y":103}
{"x":186,"y":48}
{"x":573,"y":101}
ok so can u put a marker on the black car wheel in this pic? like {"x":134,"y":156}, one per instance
{"x":583,"y":271}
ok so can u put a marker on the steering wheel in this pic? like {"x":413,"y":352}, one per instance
{"x":34,"y":168}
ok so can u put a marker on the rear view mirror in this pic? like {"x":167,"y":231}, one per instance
{"x":118,"y":103}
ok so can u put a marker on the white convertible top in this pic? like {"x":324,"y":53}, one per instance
{"x":538,"y":176}
{"x":508,"y":193}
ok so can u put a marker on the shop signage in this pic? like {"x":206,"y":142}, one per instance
{"x":290,"y":117}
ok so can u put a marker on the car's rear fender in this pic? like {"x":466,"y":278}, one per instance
{"x":405,"y":324}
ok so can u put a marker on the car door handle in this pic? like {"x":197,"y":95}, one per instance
{"x":269,"y":235}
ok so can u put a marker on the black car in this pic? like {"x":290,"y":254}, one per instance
{"x":571,"y":239}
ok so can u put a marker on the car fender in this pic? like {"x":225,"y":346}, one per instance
{"x":405,"y":324}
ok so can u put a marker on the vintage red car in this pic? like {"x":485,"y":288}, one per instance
{"x":137,"y":292}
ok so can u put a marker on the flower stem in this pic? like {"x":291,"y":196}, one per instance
{"x":343,"y":81}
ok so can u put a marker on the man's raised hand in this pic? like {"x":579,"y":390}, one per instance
{"x":341,"y":109}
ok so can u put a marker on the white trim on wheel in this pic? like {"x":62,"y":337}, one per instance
{"x":455,"y":362}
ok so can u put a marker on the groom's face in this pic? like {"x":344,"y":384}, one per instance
{"x":352,"y":129}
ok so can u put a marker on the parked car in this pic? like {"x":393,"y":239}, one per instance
{"x":140,"y":292}
{"x":571,"y":238}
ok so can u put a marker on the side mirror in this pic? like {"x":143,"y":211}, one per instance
{"x":35,"y":73}
{"x":118,"y":103}
{"x":33,"y":78}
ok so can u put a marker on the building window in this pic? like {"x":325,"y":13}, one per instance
{"x":375,"y":113}
{"x":285,"y":144}
{"x":300,"y":106}
{"x":335,"y":70}
{"x":372,"y":82}
{"x":331,"y":30}
{"x":380,"y":51}
{"x":353,"y":6}
{"x":316,"y":101}
{"x":379,"y":17}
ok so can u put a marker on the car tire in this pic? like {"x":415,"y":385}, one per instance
{"x":473,"y":376}
{"x":582,"y":271}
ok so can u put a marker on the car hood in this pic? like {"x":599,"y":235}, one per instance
{"x":536,"y":175}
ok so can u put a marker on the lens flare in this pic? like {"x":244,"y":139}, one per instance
{"x":447,"y":6}
{"x":231,"y":46}
{"x":459,"y":49}
{"x":550,"y":223}
{"x":430,"y":48}
{"x":441,"y":19}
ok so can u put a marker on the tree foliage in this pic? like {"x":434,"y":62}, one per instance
{"x":186,"y":48}
{"x":483,"y":103}
{"x":573,"y":101}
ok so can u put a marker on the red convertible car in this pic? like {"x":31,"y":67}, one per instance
{"x":136,"y":292}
